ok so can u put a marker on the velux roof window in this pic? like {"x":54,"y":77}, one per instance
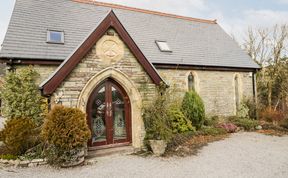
{"x":54,"y":36}
{"x":163,"y":46}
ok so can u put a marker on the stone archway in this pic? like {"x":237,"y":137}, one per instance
{"x":132,"y":92}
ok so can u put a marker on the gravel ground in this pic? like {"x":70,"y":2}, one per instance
{"x":241,"y":155}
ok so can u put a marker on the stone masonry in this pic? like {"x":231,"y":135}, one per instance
{"x":216,"y":88}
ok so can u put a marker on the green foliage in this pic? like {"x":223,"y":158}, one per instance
{"x":211,"y":131}
{"x":21,"y":96}
{"x":247,"y":124}
{"x":179,"y":123}
{"x":156,"y":120}
{"x":65,"y":130}
{"x":211,"y":121}
{"x":8,"y":157}
{"x":252,"y":113}
{"x":243,"y":111}
{"x":19,"y":135}
{"x":193,"y":109}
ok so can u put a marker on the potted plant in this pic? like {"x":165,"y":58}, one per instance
{"x":157,"y":124}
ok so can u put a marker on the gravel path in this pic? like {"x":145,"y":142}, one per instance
{"x":241,"y":155}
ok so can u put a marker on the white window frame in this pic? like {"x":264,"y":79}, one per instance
{"x":161,"y":49}
{"x":55,"y":42}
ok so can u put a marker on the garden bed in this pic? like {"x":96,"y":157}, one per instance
{"x":193,"y":145}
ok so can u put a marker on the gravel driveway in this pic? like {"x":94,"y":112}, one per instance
{"x":241,"y":155}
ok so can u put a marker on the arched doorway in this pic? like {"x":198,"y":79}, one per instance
{"x":109,"y":115}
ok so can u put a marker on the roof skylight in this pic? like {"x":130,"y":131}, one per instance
{"x":163,"y":46}
{"x":55,"y":36}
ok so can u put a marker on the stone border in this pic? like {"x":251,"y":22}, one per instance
{"x":23,"y":163}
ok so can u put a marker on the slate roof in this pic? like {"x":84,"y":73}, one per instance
{"x":193,"y":41}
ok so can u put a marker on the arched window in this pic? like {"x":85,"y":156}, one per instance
{"x":237,"y":94}
{"x":191,"y":82}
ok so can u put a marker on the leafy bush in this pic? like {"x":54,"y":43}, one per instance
{"x":193,"y":108}
{"x":211,"y":121}
{"x":65,"y":130}
{"x":252,"y":108}
{"x":18,"y":135}
{"x":156,"y":120}
{"x":21,"y":96}
{"x":179,"y":123}
{"x":211,"y":131}
{"x":271,"y":115}
{"x":246,"y":124}
{"x":243,"y":111}
{"x":229,"y":127}
{"x":8,"y":157}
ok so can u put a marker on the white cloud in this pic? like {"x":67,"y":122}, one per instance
{"x":282,"y":1}
{"x":253,"y":18}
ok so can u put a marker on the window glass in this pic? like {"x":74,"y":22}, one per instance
{"x":55,"y":37}
{"x":191,"y":82}
{"x":237,"y":98}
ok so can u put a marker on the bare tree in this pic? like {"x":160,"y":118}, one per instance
{"x":268,"y":48}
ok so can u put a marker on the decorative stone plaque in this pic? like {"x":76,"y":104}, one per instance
{"x":110,"y":49}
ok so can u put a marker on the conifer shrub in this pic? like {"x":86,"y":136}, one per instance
{"x":21,"y":96}
{"x":19,"y":135}
{"x":65,"y":131}
{"x":179,"y":123}
{"x":193,"y":108}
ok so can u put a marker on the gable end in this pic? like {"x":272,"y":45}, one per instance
{"x":52,"y":83}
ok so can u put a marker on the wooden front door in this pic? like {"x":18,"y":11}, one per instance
{"x":109,"y":115}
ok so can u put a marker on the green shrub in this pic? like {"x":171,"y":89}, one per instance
{"x":65,"y":130}
{"x":19,"y":135}
{"x":21,"y":96}
{"x":156,"y":120}
{"x":211,"y":131}
{"x":193,"y":108}
{"x":8,"y":157}
{"x":246,"y":124}
{"x":211,"y":121}
{"x":179,"y":123}
{"x":252,"y":108}
{"x":243,"y":111}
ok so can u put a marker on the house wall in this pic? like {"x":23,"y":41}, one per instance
{"x":44,"y":71}
{"x":216,"y":88}
{"x":75,"y":90}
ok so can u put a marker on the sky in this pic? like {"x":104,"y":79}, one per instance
{"x":234,"y":16}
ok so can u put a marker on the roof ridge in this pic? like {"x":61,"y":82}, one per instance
{"x":117,"y":6}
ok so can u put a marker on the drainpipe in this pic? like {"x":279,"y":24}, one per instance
{"x":255,"y":92}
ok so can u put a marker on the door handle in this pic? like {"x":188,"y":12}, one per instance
{"x":109,"y":109}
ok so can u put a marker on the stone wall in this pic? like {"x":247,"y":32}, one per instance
{"x":216,"y":88}
{"x":44,"y":71}
{"x":109,"y":57}
{"x":93,"y":63}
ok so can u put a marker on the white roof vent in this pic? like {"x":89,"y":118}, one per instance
{"x":163,"y":46}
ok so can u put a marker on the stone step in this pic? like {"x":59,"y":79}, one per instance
{"x":110,"y":151}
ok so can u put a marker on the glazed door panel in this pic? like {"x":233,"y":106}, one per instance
{"x":109,"y":115}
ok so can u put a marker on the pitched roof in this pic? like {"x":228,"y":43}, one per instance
{"x":193,"y":41}
{"x":52,"y":83}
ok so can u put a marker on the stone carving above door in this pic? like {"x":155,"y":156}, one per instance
{"x":110,"y":49}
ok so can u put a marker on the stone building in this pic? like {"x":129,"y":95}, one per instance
{"x":108,"y":59}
